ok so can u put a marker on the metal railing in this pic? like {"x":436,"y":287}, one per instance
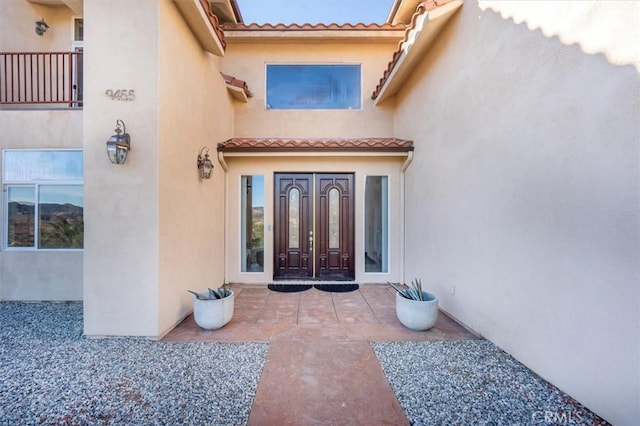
{"x":41,"y":78}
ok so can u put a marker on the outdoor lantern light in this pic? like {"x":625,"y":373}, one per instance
{"x":118,"y":145}
{"x":205,"y":166}
{"x":41,"y":27}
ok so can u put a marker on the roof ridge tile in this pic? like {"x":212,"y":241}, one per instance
{"x":310,"y":27}
{"x":215,"y":23}
{"x":275,"y":144}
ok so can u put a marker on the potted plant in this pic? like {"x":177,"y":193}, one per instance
{"x":416,"y":309}
{"x":214,"y":309}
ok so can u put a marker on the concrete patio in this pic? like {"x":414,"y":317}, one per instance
{"x":320,"y":368}
{"x":310,"y":358}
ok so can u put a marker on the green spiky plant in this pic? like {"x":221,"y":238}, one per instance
{"x":412,"y":292}
{"x":213,"y":294}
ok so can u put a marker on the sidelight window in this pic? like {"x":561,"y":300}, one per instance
{"x":376,"y":218}
{"x":252,"y":223}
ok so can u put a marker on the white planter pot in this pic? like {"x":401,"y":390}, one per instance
{"x":213,"y":314}
{"x":415,"y":314}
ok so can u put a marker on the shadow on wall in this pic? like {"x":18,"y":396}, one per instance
{"x":564,"y":23}
{"x":524,"y":188}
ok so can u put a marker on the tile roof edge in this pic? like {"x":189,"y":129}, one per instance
{"x":241,"y":84}
{"x":315,"y":144}
{"x":312,"y":27}
{"x":215,"y":24}
{"x":422,"y":9}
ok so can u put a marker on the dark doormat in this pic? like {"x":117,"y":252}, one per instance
{"x":289,"y":288}
{"x":337,"y":288}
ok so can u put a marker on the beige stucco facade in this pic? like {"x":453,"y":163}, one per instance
{"x":52,"y":274}
{"x":166,"y":224}
{"x":253,"y":119}
{"x":522,"y":202}
{"x":520,"y":208}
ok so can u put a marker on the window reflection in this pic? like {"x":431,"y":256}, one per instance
{"x":313,"y":87}
{"x":42,"y":165}
{"x":376,"y":224}
{"x":252,"y":223}
{"x":21,"y":216}
{"x":44,"y":200}
{"x":61,"y":222}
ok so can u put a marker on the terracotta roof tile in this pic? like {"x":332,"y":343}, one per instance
{"x":422,"y":8}
{"x":232,"y":81}
{"x":213,"y":19}
{"x":315,"y":145}
{"x":310,"y":27}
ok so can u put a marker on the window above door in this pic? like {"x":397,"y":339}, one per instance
{"x":311,"y":86}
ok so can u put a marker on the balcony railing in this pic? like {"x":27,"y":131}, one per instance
{"x":41,"y":78}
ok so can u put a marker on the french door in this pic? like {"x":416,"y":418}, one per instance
{"x":314,"y":226}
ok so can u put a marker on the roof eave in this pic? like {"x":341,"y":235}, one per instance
{"x":255,"y":33}
{"x":226,"y":10}
{"x":417,"y":42}
{"x":334,"y":146}
{"x":203,"y":24}
{"x":402,"y":150}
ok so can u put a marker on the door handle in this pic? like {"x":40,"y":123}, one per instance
{"x":310,"y":240}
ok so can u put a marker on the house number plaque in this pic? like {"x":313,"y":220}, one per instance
{"x":121,"y":94}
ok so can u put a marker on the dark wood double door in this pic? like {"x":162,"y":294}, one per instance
{"x":314,"y":226}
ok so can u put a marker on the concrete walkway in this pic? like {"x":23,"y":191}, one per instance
{"x":320,"y":368}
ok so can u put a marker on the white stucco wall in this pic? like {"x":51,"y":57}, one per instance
{"x":38,"y":275}
{"x":50,"y":274}
{"x":523,"y":198}
{"x":17,"y":32}
{"x":121,"y":263}
{"x":195,"y":110}
{"x":153,"y":229}
{"x":247,"y":61}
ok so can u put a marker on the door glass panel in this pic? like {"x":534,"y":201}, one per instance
{"x":376,"y":213}
{"x":294,"y":218}
{"x":334,"y":218}
{"x":252,"y":229}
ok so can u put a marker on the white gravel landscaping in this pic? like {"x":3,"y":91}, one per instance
{"x":473,"y":382}
{"x":50,"y":374}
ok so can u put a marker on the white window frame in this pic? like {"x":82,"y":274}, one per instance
{"x":36,"y":185}
{"x":388,"y":225}
{"x":266,"y":66}
{"x":76,"y":46}
{"x":242,"y":225}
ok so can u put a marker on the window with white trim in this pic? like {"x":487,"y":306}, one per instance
{"x":43,"y":199}
{"x":376,"y":224}
{"x":312,"y":86}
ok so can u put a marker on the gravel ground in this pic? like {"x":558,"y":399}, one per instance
{"x":50,"y":374}
{"x":473,"y":382}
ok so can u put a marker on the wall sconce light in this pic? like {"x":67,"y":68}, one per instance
{"x":205,"y":166}
{"x":41,"y":27}
{"x":118,"y":145}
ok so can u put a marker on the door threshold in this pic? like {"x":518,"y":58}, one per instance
{"x":311,"y":281}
